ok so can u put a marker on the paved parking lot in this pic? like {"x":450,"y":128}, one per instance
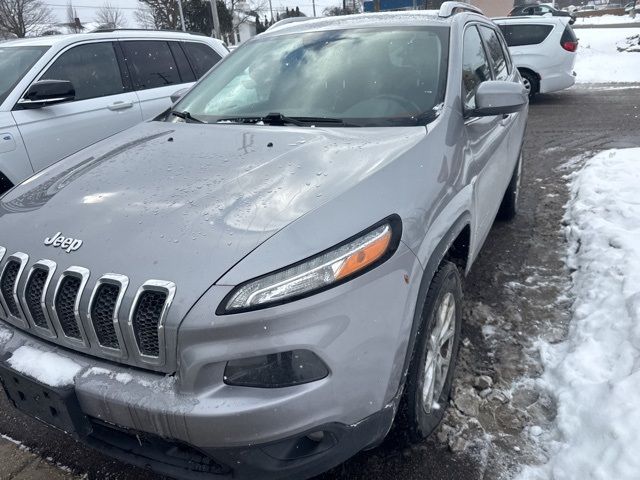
{"x":513,"y":289}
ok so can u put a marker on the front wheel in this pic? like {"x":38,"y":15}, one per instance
{"x":432,"y":367}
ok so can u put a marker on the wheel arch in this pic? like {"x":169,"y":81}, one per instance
{"x":454,"y":247}
{"x":531,"y":71}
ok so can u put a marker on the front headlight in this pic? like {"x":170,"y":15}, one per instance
{"x":330,"y":268}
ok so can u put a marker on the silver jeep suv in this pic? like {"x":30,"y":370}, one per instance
{"x":252,"y":284}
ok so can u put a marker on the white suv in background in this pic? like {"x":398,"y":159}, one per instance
{"x":59,"y":94}
{"x":543,"y":49}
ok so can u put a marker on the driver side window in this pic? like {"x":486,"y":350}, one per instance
{"x":92,"y":69}
{"x":475,"y":67}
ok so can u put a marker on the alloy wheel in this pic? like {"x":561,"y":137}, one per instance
{"x":440,"y":349}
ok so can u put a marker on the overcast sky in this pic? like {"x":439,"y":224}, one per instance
{"x":87,"y":8}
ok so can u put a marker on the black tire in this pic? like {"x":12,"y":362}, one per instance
{"x":420,"y":423}
{"x":530,"y":81}
{"x":509,"y":206}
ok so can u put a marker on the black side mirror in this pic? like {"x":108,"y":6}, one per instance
{"x":47,"y":92}
{"x":178,"y":95}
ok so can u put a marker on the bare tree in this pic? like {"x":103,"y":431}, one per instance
{"x":145,"y":18}
{"x":111,"y":16}
{"x":24,"y":17}
{"x":164,"y":14}
{"x":73,"y":20}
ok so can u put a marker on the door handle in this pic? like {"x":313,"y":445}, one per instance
{"x":120,"y":106}
{"x":505,"y":119}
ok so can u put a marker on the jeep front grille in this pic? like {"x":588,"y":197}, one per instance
{"x":102,"y":314}
{"x":33,"y":296}
{"x":86,"y":317}
{"x":8,"y":285}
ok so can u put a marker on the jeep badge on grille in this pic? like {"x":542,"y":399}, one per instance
{"x":67,"y":244}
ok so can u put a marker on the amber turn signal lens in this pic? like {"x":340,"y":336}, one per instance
{"x":365,"y":256}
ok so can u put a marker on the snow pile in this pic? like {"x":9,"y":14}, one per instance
{"x":631,"y":44}
{"x":46,"y":367}
{"x":599,"y":60}
{"x":595,"y":373}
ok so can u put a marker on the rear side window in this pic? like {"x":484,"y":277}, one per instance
{"x":475,"y":66}
{"x":201,"y":56}
{"x":517,"y":35}
{"x":92,"y":69}
{"x":496,"y":55}
{"x":184,"y":69}
{"x":151,"y":64}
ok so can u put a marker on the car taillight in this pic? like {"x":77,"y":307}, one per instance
{"x":570,"y":46}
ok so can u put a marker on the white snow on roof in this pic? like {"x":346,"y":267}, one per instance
{"x":47,"y":367}
{"x":595,"y":372}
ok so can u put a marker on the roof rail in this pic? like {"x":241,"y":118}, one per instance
{"x":451,"y":8}
{"x":111,"y":30}
{"x":284,"y":21}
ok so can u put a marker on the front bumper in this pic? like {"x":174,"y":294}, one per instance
{"x":359,"y":329}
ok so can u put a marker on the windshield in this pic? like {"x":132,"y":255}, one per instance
{"x":362,"y":77}
{"x":14,"y":63}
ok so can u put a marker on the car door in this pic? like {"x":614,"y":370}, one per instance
{"x":486,"y":136}
{"x":158,"y":69}
{"x":503,"y":70}
{"x":104,"y":105}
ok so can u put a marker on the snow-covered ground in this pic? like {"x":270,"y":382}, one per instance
{"x":607,"y":20}
{"x":595,"y":372}
{"x":599,"y":60}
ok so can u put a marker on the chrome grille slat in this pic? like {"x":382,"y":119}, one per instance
{"x":147,"y":317}
{"x":7,"y":285}
{"x":3,"y":314}
{"x":104,"y":310}
{"x":145,"y":321}
{"x":102,"y":314}
{"x":64,"y":305}
{"x":9,"y":280}
{"x":33,"y":296}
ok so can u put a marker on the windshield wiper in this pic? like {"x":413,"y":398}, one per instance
{"x":186,"y":116}
{"x":276,"y":118}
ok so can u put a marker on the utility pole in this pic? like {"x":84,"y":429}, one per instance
{"x":216,"y":21}
{"x":313,"y":2}
{"x":181,"y":15}
{"x":271,"y":9}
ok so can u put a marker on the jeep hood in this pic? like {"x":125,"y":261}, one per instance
{"x":186,"y":202}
